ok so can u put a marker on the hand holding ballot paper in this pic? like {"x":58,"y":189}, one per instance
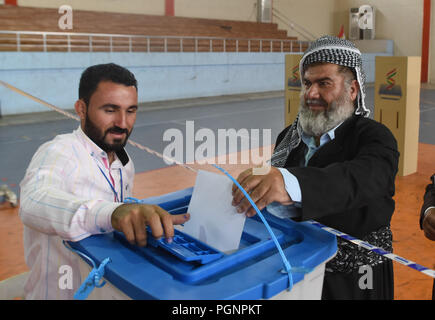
{"x":263,"y":189}
{"x":213,"y":219}
{"x":217,"y":205}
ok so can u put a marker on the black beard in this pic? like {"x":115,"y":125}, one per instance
{"x":92,"y":131}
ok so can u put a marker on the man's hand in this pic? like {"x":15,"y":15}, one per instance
{"x":132,"y":219}
{"x":429,"y":224}
{"x":263,"y":189}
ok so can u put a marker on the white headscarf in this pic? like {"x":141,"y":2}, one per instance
{"x":331,"y":50}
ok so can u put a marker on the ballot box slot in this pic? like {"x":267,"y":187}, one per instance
{"x":255,"y":245}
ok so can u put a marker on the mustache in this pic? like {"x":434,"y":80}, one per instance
{"x":320,"y":102}
{"x":117,"y":130}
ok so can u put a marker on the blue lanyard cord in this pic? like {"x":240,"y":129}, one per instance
{"x":112,"y":187}
{"x":286,"y":263}
{"x":94,"y":277}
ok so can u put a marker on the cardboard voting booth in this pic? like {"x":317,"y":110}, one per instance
{"x":397,"y":105}
{"x":292,"y":87}
{"x":190,"y":270}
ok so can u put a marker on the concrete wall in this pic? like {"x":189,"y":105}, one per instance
{"x":54,"y":77}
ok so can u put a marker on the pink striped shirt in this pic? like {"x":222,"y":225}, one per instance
{"x":65,"y":196}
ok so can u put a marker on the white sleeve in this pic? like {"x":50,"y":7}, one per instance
{"x":47,"y":205}
{"x":293,"y":189}
{"x":291,"y":184}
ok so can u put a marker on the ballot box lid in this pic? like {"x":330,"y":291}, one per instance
{"x":254,"y":271}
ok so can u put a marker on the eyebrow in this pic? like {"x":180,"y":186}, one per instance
{"x":115,"y":106}
{"x":318,"y":80}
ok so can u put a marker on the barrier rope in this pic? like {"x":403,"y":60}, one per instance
{"x":72,"y":116}
{"x":57,"y":109}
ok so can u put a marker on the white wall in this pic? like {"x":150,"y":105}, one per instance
{"x":317,"y":16}
{"x":398,"y":20}
{"x":152,"y":7}
{"x":242,"y":10}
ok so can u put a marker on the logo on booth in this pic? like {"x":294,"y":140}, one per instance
{"x":294,"y":82}
{"x":389,"y":90}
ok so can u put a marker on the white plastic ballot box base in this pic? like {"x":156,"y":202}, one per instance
{"x":308,"y":289}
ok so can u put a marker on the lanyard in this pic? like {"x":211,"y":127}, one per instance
{"x":117,"y":199}
{"x":112,"y":187}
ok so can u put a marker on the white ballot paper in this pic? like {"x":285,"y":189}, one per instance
{"x":213,"y":219}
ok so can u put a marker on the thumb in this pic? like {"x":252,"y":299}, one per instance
{"x":180,"y":218}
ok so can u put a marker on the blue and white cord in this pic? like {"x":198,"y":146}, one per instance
{"x":380,"y":251}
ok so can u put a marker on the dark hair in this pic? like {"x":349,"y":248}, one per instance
{"x":93,"y":75}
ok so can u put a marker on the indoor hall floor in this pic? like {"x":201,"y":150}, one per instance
{"x":155,"y":177}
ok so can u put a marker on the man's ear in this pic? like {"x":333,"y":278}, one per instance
{"x":354,"y":89}
{"x":80,"y":107}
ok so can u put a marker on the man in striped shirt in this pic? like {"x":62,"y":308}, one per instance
{"x":75,"y":184}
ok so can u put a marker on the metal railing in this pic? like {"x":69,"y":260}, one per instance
{"x":97,"y":42}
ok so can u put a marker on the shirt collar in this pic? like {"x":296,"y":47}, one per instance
{"x":324,"y":138}
{"x":121,"y":158}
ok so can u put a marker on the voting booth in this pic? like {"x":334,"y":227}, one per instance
{"x":292,"y":87}
{"x":188,"y":269}
{"x":397,"y":105}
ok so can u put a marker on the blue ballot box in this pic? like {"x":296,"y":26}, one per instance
{"x":189,"y":269}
